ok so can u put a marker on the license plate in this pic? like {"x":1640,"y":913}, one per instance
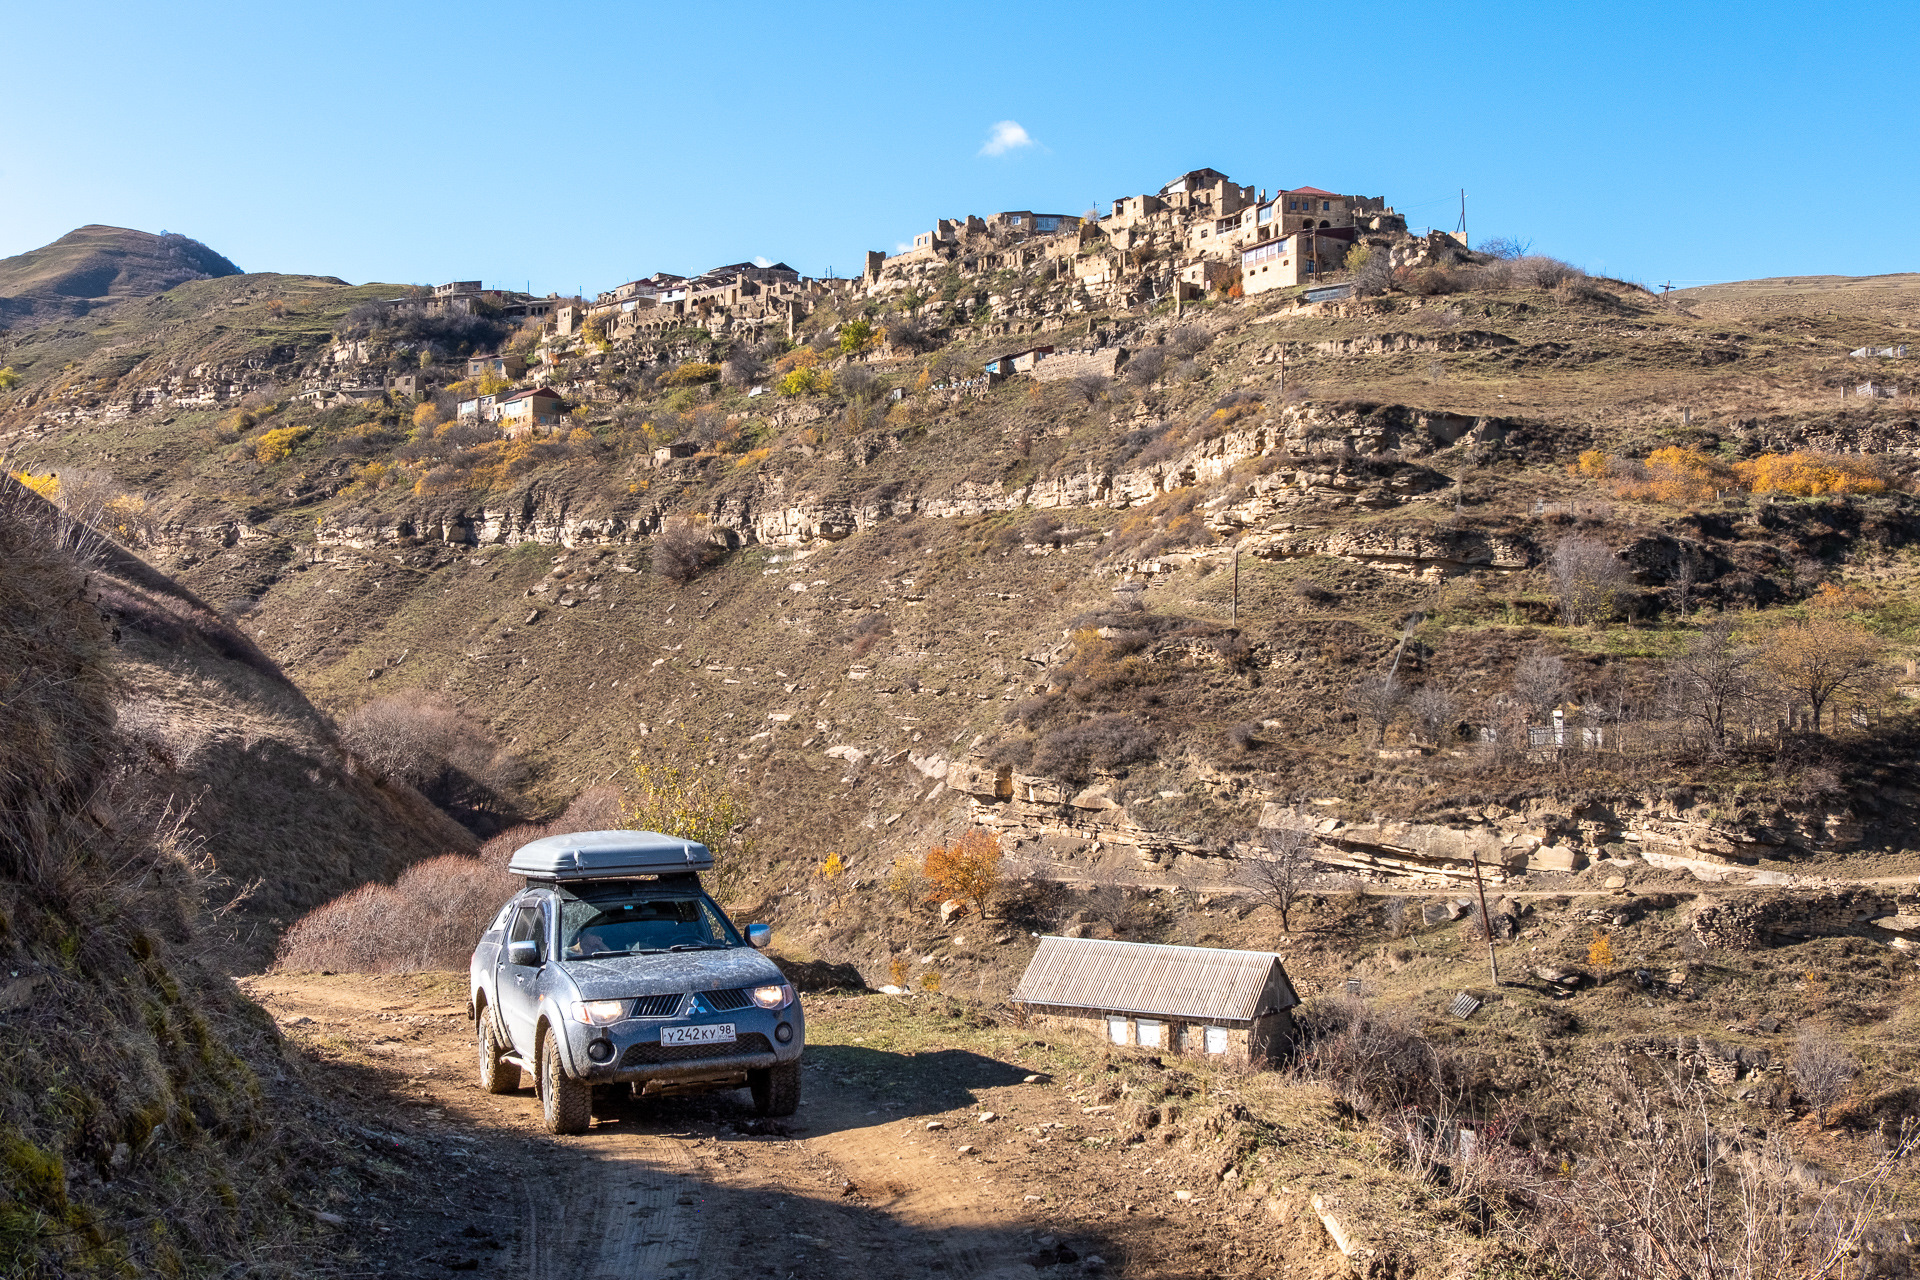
{"x":716,"y":1033}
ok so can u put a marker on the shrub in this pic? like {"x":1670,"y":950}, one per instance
{"x":1822,"y":1071}
{"x":424,"y":741}
{"x":276,"y":444}
{"x":9,"y":378}
{"x":429,"y":918}
{"x":1372,"y":1056}
{"x":1105,"y":742}
{"x":682,"y":551}
{"x":690,"y":374}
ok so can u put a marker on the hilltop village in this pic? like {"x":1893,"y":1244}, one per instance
{"x":1017,"y":275}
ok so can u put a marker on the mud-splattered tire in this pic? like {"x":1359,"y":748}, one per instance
{"x":496,"y":1075}
{"x":776,"y":1089}
{"x":566,"y":1104}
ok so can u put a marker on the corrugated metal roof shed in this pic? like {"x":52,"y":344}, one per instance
{"x":1202,"y":983}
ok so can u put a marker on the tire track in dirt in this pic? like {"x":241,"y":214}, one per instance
{"x":666,"y":1189}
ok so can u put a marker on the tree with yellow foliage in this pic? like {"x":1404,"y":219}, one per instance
{"x":967,"y":869}
{"x":1821,"y":659}
{"x":687,"y":802}
{"x":1810,"y":475}
{"x":1685,"y":477}
{"x":426,"y":414}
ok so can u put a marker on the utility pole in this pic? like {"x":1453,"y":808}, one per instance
{"x":1235,"y":617}
{"x":1465,"y":239}
{"x":1486,"y":921}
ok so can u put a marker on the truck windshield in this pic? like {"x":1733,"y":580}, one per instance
{"x":640,"y":924}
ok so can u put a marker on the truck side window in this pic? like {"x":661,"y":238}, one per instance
{"x":526,"y":927}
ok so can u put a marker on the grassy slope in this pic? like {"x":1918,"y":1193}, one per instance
{"x":150,"y":1121}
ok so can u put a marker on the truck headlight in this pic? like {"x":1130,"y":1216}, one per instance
{"x":598,"y":1013}
{"x":778,"y":996}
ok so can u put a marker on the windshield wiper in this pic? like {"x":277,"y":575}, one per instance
{"x":602,"y":955}
{"x":696,"y":946}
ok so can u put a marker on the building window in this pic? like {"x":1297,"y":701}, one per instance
{"x":1117,"y":1030}
{"x":1266,"y":214}
{"x":1325,"y":205}
{"x":1151,"y":1033}
{"x":1216,"y":1039}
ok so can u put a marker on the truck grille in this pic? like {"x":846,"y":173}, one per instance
{"x":656,"y":1006}
{"x":639,"y":1055}
{"x":722,"y":1001}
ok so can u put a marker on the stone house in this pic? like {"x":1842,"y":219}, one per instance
{"x":1302,"y":258}
{"x":478,"y":409}
{"x":507,"y":366}
{"x":1017,"y":361}
{"x":1197,"y":1000}
{"x":525,"y":411}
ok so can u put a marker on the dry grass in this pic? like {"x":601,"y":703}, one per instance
{"x":431,"y":917}
{"x":135,"y":1097}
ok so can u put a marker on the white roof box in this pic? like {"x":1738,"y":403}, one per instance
{"x":609,"y":855}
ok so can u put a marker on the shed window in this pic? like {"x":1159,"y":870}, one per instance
{"x":1117,"y":1030}
{"x":1216,"y":1039}
{"x":1151,"y":1033}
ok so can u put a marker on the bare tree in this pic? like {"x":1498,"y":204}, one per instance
{"x":1279,"y":868}
{"x":1685,"y":582}
{"x":1588,"y":579}
{"x":1713,"y":684}
{"x":743,"y":369}
{"x":1506,"y":248}
{"x":1540,"y":684}
{"x":1822,"y":1071}
{"x":1091,"y":387}
{"x":1433,"y":712}
{"x":1376,"y":699}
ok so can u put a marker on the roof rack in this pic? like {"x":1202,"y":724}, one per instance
{"x":609,"y":855}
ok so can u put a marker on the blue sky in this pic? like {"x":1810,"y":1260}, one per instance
{"x":583,"y":145}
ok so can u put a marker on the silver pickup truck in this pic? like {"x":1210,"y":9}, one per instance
{"x":614,"y":972}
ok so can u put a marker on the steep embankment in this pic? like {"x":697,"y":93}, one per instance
{"x":142,"y":1126}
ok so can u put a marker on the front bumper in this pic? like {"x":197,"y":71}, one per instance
{"x":634,"y":1051}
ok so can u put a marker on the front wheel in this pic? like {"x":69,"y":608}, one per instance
{"x":496,"y":1074}
{"x":776,"y":1089}
{"x":566,"y":1104}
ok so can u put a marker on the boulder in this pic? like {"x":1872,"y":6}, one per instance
{"x":952,"y":909}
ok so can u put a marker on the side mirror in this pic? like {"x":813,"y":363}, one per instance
{"x":759,"y":935}
{"x":525,"y":954}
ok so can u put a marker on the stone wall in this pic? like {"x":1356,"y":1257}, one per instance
{"x":1765,"y":920}
{"x":1061,"y":365}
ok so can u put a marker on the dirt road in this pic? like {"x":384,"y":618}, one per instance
{"x":888,"y":1169}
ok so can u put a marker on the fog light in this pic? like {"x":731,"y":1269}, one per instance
{"x":784,"y":1033}
{"x":601,"y":1051}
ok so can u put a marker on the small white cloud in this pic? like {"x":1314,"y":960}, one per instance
{"x":1007,"y":135}
{"x":762,"y":262}
{"x":902,"y":247}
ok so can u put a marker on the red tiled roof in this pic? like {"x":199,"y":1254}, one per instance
{"x":1309,"y":191}
{"x":548,"y":392}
